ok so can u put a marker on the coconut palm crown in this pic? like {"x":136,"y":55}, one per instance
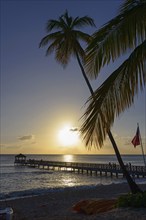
{"x":65,"y":41}
{"x":126,"y":32}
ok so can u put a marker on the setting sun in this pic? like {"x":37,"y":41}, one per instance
{"x":68,"y":136}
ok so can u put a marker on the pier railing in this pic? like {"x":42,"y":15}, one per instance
{"x":111,"y":168}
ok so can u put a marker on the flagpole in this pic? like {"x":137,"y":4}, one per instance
{"x":142,"y":147}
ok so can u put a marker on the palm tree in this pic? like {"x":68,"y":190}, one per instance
{"x":65,"y":41}
{"x":125,"y":32}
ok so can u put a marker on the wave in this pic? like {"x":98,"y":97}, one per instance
{"x":38,"y":191}
{"x":38,"y":172}
{"x":41,"y":191}
{"x":6,"y":166}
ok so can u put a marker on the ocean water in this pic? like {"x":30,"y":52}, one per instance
{"x":16,"y":181}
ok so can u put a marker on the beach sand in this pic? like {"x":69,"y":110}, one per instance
{"x":58,"y":205}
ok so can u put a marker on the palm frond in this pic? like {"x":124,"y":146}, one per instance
{"x":53,"y":25}
{"x":49,"y":38}
{"x":113,"y":97}
{"x":80,"y":35}
{"x":129,"y":4}
{"x":63,"y":53}
{"x":83,"y":21}
{"x":125,"y":31}
{"x":53,"y":47}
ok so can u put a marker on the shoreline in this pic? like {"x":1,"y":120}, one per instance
{"x":39,"y":192}
{"x":58,"y":204}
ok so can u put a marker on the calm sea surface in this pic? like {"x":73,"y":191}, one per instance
{"x":18,"y":181}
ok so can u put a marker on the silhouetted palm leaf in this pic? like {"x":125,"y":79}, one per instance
{"x":124,"y":32}
{"x":114,"y":96}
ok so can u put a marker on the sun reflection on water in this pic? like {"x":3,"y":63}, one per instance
{"x":68,"y":158}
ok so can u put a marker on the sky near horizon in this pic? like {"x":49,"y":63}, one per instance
{"x":42,"y":103}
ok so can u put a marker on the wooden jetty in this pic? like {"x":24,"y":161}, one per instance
{"x":89,"y":168}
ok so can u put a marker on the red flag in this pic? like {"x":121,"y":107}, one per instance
{"x":136,"y":140}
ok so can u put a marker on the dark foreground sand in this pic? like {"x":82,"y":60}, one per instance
{"x":58,"y":205}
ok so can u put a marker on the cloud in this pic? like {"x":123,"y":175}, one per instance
{"x":26,"y":137}
{"x":73,"y":129}
{"x":20,"y":143}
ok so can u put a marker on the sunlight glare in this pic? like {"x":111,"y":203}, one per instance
{"x":68,"y":136}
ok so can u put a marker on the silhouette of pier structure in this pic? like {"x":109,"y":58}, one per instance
{"x":110,"y":169}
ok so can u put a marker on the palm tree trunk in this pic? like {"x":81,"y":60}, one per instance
{"x":133,"y":186}
{"x":84,"y":75}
